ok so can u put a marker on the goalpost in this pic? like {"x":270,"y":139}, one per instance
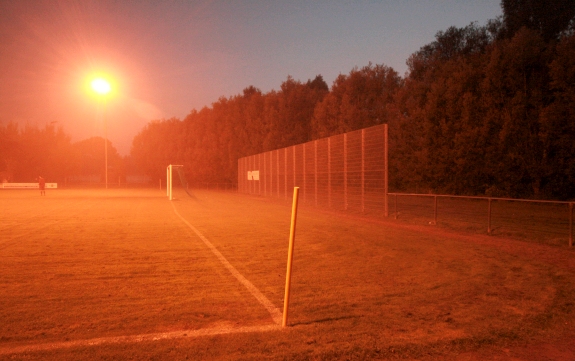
{"x":169,"y":180}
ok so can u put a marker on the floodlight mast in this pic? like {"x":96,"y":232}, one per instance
{"x":102,"y":87}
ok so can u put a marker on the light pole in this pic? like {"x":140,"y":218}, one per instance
{"x":102,"y":87}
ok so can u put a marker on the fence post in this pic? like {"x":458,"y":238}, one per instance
{"x":315,"y":170}
{"x":363,"y":170}
{"x":570,"y":224}
{"x":435,"y":210}
{"x":329,"y":172}
{"x":294,"y":168}
{"x":345,"y":171}
{"x":489,"y":216}
{"x":385,"y":176}
{"x":285,"y":173}
{"x":304,"y":185}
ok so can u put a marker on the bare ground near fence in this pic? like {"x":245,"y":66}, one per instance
{"x":98,"y":274}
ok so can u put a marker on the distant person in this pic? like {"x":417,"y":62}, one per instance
{"x":42,"y":186}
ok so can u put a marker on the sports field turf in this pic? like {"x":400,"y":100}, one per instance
{"x":129,"y":275}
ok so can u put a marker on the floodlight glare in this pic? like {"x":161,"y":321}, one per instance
{"x":101,"y":86}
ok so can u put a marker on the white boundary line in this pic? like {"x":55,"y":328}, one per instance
{"x":137,"y":338}
{"x":273,"y":310}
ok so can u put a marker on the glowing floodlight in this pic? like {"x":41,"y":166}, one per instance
{"x":101,"y":86}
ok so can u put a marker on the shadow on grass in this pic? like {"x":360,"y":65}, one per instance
{"x":323,"y":320}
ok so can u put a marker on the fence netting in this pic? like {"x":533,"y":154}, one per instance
{"x":342,"y":172}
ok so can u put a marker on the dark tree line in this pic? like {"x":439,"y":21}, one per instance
{"x":31,"y":151}
{"x":487,"y":110}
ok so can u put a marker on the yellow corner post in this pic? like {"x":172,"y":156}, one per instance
{"x":290,"y":254}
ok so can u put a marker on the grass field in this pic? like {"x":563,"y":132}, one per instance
{"x":129,"y":275}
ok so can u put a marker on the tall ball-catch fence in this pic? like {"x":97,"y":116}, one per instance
{"x":343,"y":172}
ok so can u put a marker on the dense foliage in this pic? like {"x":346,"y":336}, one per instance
{"x":30,"y":152}
{"x":479,"y":112}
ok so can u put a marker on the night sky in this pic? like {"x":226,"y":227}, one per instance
{"x":169,"y":57}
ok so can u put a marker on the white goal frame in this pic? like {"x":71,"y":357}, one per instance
{"x":169,"y":179}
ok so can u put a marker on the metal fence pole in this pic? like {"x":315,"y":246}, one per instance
{"x":329,"y":172}
{"x":385,"y":176}
{"x":304,"y":185}
{"x":363,"y":170}
{"x":315,"y":170}
{"x":435,"y":210}
{"x":285,"y":173}
{"x":570,"y":224}
{"x":294,"y":168}
{"x":345,"y":171}
{"x":489,"y":216}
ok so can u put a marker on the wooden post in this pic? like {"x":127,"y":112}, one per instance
{"x":290,"y":255}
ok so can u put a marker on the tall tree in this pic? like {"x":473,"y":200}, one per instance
{"x":548,"y":17}
{"x":357,"y":100}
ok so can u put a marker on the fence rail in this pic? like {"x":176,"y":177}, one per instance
{"x":551,"y":221}
{"x":348,"y":173}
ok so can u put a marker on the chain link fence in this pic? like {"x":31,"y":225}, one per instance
{"x":348,"y":172}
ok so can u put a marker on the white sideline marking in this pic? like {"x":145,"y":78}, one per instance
{"x":273,"y":310}
{"x":137,"y":338}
